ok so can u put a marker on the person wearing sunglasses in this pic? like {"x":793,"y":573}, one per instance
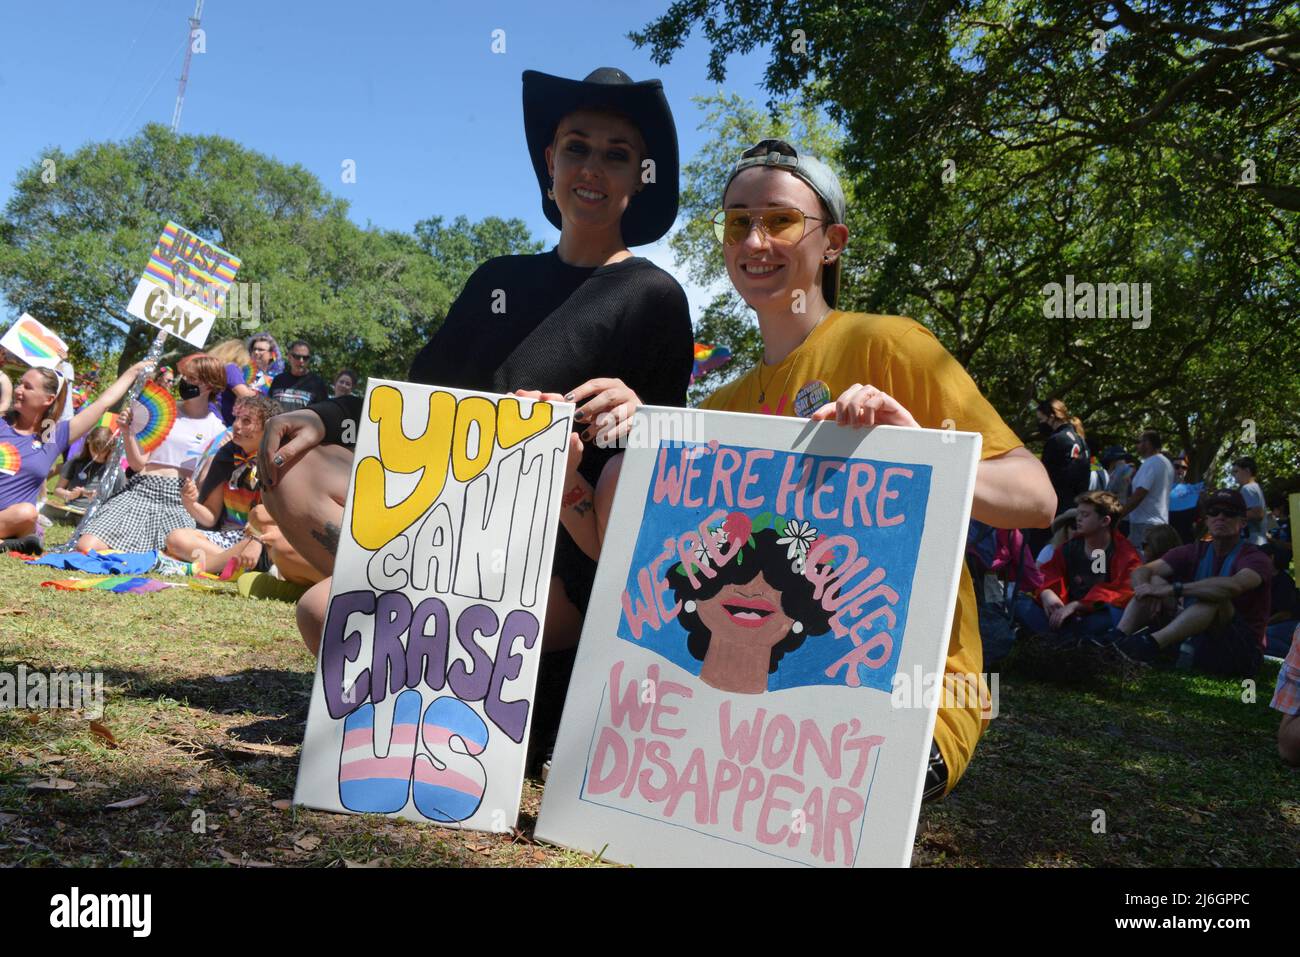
{"x":782,"y":233}
{"x":297,"y":387}
{"x":1216,"y":591}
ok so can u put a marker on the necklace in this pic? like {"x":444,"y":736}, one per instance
{"x":762,"y":389}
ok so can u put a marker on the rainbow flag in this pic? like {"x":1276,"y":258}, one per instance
{"x":708,"y":358}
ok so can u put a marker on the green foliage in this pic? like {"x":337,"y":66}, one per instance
{"x":1115,"y":165}
{"x":72,"y":251}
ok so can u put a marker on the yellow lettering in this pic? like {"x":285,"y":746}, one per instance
{"x":473,"y":409}
{"x":513,"y":428}
{"x":374,"y":524}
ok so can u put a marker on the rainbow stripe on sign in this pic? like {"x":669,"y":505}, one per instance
{"x":371,"y":784}
{"x":198,"y":262}
{"x":37,"y":342}
{"x":445,"y":794}
{"x":161,"y":408}
{"x":11,"y":460}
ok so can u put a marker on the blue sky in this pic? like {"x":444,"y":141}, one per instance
{"x":409,"y":90}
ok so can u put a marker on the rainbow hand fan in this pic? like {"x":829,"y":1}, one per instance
{"x":10,"y":459}
{"x":160,"y":408}
{"x":708,"y":358}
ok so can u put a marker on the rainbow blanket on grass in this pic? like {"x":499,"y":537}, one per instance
{"x":121,"y":584}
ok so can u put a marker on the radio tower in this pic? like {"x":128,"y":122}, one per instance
{"x":185,"y":70}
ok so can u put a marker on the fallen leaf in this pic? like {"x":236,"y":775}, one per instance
{"x":539,"y":856}
{"x":32,"y":718}
{"x":377,"y":862}
{"x":282,"y":805}
{"x":252,"y":748}
{"x":100,"y":730}
{"x":243,"y":861}
{"x":52,"y":784}
{"x":307,"y":843}
{"x":478,"y":848}
{"x":13,"y":611}
{"x":128,"y":803}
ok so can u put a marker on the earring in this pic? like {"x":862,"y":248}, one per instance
{"x":689,"y":606}
{"x":797,"y":627}
{"x":550,"y":191}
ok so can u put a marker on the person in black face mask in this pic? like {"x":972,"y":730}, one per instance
{"x":142,"y":515}
{"x":1065,"y":456}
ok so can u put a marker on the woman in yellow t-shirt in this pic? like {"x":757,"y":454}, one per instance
{"x":782,"y":231}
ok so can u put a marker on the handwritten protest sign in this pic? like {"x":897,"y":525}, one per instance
{"x":428,"y":659}
{"x":759,"y":593}
{"x":184,"y":286}
{"x":34,"y":343}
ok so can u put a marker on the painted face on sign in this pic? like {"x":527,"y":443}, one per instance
{"x":745,"y":623}
{"x":753,"y":609}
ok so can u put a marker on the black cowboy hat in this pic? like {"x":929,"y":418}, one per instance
{"x":548,"y":99}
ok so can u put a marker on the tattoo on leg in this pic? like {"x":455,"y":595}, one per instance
{"x":329,"y":538}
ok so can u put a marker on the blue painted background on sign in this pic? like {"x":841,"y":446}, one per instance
{"x":893,"y":548}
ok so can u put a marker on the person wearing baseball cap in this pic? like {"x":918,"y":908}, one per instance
{"x":1217,"y":593}
{"x":783,"y":237}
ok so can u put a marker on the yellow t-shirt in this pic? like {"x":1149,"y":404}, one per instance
{"x":903,"y":359}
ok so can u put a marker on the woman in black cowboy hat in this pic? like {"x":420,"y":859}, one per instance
{"x":587,"y":319}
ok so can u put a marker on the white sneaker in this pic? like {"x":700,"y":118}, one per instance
{"x":45,"y":521}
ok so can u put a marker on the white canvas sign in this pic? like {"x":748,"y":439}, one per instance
{"x":760,"y":592}
{"x":428,"y":661}
{"x":185,"y":285}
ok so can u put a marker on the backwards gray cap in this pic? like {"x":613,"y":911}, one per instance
{"x":778,"y":154}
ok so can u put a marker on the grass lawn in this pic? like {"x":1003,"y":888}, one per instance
{"x":206,"y":696}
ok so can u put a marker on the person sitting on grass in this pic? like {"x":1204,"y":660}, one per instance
{"x":1160,"y":539}
{"x":1286,"y":698}
{"x":141,"y":516}
{"x":1284,"y":601}
{"x":79,"y":478}
{"x":287,"y":564}
{"x":781,"y":234}
{"x":1223,"y":585}
{"x":1086,"y":582}
{"x":32,"y":437}
{"x":1063,"y":529}
{"x":230,"y":491}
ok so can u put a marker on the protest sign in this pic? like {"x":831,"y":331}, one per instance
{"x":184,"y":286}
{"x":760,"y":592}
{"x":34,"y":343}
{"x":428,"y":660}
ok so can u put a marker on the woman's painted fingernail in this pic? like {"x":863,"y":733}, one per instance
{"x":568,"y":397}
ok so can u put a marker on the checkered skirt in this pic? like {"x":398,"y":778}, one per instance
{"x":141,"y":516}
{"x":226,"y":539}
